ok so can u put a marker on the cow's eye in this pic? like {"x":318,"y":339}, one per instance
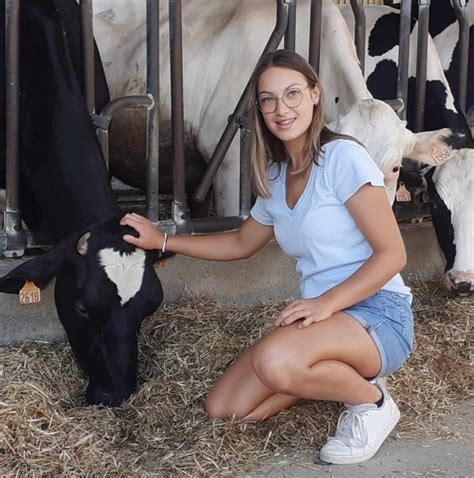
{"x":81,"y":311}
{"x":396,"y":169}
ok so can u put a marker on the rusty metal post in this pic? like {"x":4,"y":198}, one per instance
{"x":153,"y":92}
{"x":180,"y":212}
{"x":404,"y":57}
{"x":290,"y":34}
{"x":359,"y":31}
{"x":88,"y":54}
{"x":463,"y":53}
{"x":421,"y":60}
{"x":315,"y":34}
{"x":14,"y":238}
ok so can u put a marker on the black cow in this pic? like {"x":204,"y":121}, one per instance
{"x":450,"y":185}
{"x":104,"y":286}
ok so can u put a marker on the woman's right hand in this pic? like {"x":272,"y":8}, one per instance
{"x":149,"y":236}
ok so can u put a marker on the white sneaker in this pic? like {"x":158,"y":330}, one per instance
{"x":361,"y":430}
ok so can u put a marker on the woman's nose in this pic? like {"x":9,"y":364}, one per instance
{"x":281,"y":107}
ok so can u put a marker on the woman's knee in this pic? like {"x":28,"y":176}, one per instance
{"x":273,"y":368}
{"x":218,"y":407}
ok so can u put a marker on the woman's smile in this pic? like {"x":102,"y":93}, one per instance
{"x":286,"y":123}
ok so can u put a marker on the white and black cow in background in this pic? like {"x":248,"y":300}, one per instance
{"x":451,"y":186}
{"x":444,"y":29}
{"x":217,"y":68}
{"x":104,"y":286}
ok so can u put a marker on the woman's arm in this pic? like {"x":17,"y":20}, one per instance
{"x":373,"y":215}
{"x":226,"y":246}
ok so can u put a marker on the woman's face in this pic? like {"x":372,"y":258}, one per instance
{"x":287,"y":123}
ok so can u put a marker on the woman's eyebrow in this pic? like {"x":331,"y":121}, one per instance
{"x":270,"y":93}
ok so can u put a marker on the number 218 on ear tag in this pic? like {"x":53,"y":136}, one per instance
{"x":30,"y":294}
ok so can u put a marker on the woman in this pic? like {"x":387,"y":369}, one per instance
{"x":322,"y":197}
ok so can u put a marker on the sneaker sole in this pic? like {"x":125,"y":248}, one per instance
{"x":348,"y":460}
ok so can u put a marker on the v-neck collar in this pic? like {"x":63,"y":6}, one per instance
{"x":284,"y":173}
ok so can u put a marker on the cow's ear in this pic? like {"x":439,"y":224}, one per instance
{"x":429,"y":147}
{"x":40,"y":270}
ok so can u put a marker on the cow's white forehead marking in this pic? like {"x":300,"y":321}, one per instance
{"x":124,"y":270}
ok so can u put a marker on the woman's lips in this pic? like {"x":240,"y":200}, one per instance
{"x":285,"y":124}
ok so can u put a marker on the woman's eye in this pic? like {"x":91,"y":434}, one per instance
{"x":292,"y":93}
{"x":266,"y":100}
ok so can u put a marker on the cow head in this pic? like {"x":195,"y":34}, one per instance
{"x":451,"y":199}
{"x":388,"y":141}
{"x":104,"y":289}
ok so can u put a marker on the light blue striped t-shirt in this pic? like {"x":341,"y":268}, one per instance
{"x":319,"y":232}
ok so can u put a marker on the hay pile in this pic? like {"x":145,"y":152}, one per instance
{"x":164,"y":430}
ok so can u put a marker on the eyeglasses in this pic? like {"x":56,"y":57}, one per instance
{"x":292,"y":97}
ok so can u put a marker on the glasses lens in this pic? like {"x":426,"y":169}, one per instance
{"x":292,"y":97}
{"x":267,"y":104}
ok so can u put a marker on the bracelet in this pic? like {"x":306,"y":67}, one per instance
{"x":165,"y":240}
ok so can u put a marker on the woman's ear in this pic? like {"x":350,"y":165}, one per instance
{"x":315,"y":94}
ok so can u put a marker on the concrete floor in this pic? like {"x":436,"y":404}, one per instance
{"x":417,"y":457}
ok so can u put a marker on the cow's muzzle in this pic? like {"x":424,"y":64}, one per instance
{"x":96,"y":396}
{"x":462,"y":284}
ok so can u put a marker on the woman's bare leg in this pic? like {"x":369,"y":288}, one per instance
{"x":326,"y":361}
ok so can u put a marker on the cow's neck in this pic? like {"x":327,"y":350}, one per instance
{"x":340,"y":74}
{"x":65,"y":185}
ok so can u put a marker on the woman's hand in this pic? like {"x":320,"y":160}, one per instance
{"x":311,"y":310}
{"x":149,"y":236}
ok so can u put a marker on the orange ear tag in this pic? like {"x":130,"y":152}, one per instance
{"x":30,"y":294}
{"x":402,"y":194}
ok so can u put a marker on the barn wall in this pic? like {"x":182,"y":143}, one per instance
{"x":268,"y":275}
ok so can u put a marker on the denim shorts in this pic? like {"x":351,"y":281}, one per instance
{"x":388,"y":318}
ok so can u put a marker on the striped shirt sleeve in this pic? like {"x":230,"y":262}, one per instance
{"x":349,"y":167}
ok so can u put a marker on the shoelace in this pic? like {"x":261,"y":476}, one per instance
{"x":351,"y":430}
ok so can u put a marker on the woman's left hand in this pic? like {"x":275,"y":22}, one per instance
{"x":310,"y":310}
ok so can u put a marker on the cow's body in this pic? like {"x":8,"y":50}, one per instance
{"x":451,"y":187}
{"x":104,"y":286}
{"x":216,"y":69}
{"x":444,"y":29}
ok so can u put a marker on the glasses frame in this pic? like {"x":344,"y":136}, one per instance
{"x":282,"y":98}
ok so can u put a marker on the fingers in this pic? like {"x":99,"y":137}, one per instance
{"x":131,"y":240}
{"x":132,"y":218}
{"x":291,"y":314}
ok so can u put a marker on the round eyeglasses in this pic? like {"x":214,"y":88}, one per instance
{"x":292,"y":97}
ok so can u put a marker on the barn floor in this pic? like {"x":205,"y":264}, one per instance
{"x":164,"y":431}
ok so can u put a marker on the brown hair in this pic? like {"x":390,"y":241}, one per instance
{"x":266,"y":149}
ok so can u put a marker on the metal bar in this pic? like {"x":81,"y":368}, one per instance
{"x":404,"y":57}
{"x":421,"y":59}
{"x":463,"y":52}
{"x":214,"y":224}
{"x":231,"y":128}
{"x":290,"y":34}
{"x":88,"y":54}
{"x":359,"y":31}
{"x":177,"y":114}
{"x":102,"y":121}
{"x":315,"y":34}
{"x":15,"y":239}
{"x":153,"y":92}
{"x":245,"y":182}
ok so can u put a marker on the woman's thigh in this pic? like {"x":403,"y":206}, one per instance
{"x":340,"y":338}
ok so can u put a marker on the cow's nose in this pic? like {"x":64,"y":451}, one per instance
{"x":96,"y":396}
{"x":463,"y":288}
